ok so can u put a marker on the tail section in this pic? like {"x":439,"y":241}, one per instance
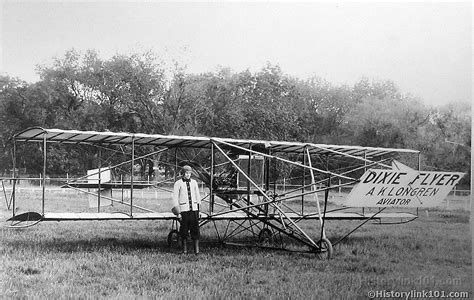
{"x":402,"y":187}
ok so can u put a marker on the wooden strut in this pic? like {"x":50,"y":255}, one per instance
{"x":281,"y":159}
{"x":100,"y":181}
{"x":323,"y":233}
{"x":132,"y":165}
{"x":261,"y":219}
{"x":120,"y":164}
{"x":111,"y":199}
{"x":211,"y":185}
{"x":44,"y":173}
{"x":351,"y":156}
{"x":360,"y":225}
{"x":99,"y":172}
{"x":324,"y":180}
{"x":14,"y":177}
{"x":273,"y":201}
{"x":236,"y":231}
{"x":6,"y":197}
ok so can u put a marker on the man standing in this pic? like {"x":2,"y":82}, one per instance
{"x":186,"y":202}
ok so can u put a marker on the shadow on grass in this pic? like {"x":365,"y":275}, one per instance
{"x":209,"y":246}
{"x":120,"y":245}
{"x":89,"y":245}
{"x":353,"y":239}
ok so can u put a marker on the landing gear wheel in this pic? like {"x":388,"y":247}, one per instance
{"x":325,"y":250}
{"x":265,"y":236}
{"x":173,"y":238}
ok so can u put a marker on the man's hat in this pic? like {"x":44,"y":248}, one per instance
{"x":186,"y":168}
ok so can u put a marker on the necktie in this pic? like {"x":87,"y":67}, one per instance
{"x":189,"y":194}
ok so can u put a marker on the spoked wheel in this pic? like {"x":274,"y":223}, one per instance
{"x":325,"y":250}
{"x":173,"y":239}
{"x":265,"y":236}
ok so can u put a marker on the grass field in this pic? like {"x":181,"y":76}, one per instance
{"x":122,"y":259}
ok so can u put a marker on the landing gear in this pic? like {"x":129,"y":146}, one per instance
{"x":325,"y":250}
{"x":265,"y":236}
{"x":173,"y":239}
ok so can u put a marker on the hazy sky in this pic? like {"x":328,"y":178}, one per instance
{"x":424,"y":47}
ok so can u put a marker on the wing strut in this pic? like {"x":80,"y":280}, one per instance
{"x":323,"y":233}
{"x":282,"y":159}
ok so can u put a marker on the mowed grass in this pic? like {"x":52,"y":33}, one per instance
{"x":122,"y":259}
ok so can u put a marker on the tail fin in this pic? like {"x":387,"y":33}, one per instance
{"x":402,"y":186}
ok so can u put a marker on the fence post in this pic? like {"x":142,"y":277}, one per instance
{"x":468,"y":202}
{"x":447,"y":198}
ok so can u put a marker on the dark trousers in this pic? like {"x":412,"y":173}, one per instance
{"x":190,"y":222}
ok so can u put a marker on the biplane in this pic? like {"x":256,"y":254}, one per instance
{"x":276,"y":194}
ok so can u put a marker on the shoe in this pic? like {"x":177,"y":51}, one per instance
{"x":185,"y":247}
{"x":196,"y":247}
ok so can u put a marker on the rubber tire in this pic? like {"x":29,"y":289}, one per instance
{"x":265,"y":235}
{"x":173,"y":238}
{"x":327,"y":247}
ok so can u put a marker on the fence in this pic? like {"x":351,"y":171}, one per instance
{"x":456,"y":199}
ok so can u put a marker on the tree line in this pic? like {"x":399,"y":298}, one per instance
{"x":140,"y":93}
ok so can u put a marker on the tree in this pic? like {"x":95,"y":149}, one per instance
{"x":385,"y":122}
{"x":324,"y":107}
{"x":137,"y":93}
{"x":123,"y":93}
{"x":447,"y":139}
